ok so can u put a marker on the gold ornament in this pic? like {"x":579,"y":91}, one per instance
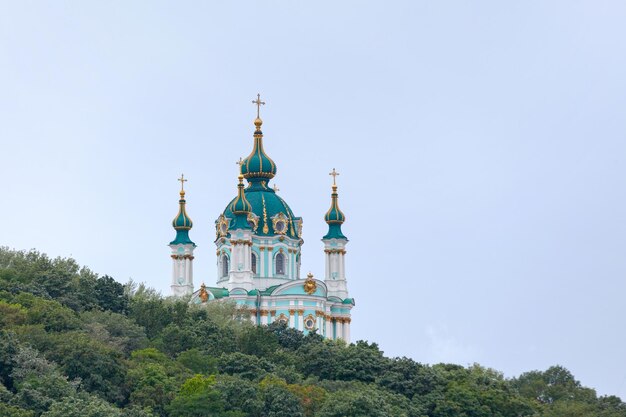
{"x":204,"y":295}
{"x":310,"y":286}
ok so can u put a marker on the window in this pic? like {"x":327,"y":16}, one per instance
{"x":224,"y":266}
{"x":253,"y":262}
{"x":280,"y":264}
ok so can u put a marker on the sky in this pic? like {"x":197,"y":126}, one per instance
{"x":481,"y":149}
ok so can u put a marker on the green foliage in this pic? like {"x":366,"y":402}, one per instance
{"x":82,"y":407}
{"x":12,"y":411}
{"x":245,"y":366}
{"x":99,"y":367}
{"x":76,"y":344}
{"x":153,"y":379}
{"x":197,"y":362}
{"x":199,"y":397}
{"x":115,"y":330}
{"x":11,"y":315}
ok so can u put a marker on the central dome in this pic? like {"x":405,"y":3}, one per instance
{"x":272,"y":214}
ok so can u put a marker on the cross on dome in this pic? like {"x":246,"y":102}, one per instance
{"x":334,"y":175}
{"x":240,"y":163}
{"x":182,"y":182}
{"x":258,"y":103}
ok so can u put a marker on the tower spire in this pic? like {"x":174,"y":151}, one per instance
{"x":182,"y":222}
{"x":334,"y":216}
{"x":182,"y":248}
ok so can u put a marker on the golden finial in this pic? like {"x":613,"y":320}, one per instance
{"x":334,"y":175}
{"x":258,"y":122}
{"x":182,"y":184}
{"x":275,"y":188}
{"x":204,"y":295}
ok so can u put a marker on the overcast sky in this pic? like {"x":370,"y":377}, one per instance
{"x":481,"y":147}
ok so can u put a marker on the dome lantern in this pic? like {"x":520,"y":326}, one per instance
{"x":258,"y":168}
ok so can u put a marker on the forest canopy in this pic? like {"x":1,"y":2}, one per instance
{"x":75,"y":343}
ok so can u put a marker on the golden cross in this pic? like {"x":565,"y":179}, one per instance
{"x":334,"y":174}
{"x":182,"y":182}
{"x":240,"y":163}
{"x":276,"y":189}
{"x":258,"y":103}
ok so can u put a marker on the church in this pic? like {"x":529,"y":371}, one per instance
{"x":258,"y":255}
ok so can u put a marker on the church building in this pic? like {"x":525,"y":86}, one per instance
{"x":258,"y":253}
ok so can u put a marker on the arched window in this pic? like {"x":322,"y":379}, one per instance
{"x":280,"y":264}
{"x":224,"y":266}
{"x":253,"y":263}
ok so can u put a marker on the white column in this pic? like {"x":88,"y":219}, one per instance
{"x":327,"y":262}
{"x":329,"y":328}
{"x":300,"y":320}
{"x":270,"y":261}
{"x":338,"y":328}
{"x":342,"y":270}
{"x":191,"y":273}
{"x":292,"y":319}
{"x":346,"y":331}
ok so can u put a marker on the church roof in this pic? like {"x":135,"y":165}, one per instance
{"x":271,"y":213}
{"x":268,"y":208}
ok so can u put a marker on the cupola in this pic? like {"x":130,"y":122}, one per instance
{"x":334,"y":216}
{"x":241,"y":207}
{"x":182,"y":222}
{"x":258,"y":166}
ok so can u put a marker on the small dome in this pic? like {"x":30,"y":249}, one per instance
{"x":334,"y":214}
{"x":334,"y":218}
{"x":240,"y":205}
{"x":182,"y":220}
{"x":182,"y":224}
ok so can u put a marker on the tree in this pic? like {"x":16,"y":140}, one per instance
{"x":199,"y":398}
{"x":86,"y":406}
{"x":110,"y":295}
{"x":246,"y":366}
{"x":197,"y":361}
{"x":100,"y":368}
{"x":114,"y":330}
{"x":280,"y":402}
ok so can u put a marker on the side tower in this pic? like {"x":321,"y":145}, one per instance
{"x":182,"y":249}
{"x":335,"y":247}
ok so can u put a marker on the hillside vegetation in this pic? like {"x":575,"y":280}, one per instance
{"x":73,"y":343}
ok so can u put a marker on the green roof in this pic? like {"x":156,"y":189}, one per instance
{"x":182,"y":224}
{"x":266,"y":204}
{"x":334,"y":217}
{"x":218,"y":292}
{"x":258,"y":164}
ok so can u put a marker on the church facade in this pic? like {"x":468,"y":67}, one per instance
{"x":258,"y":255}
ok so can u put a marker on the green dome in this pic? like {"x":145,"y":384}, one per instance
{"x":269,"y":210}
{"x":240,"y":205}
{"x":182,"y":223}
{"x":334,"y":217}
{"x":258,"y":165}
